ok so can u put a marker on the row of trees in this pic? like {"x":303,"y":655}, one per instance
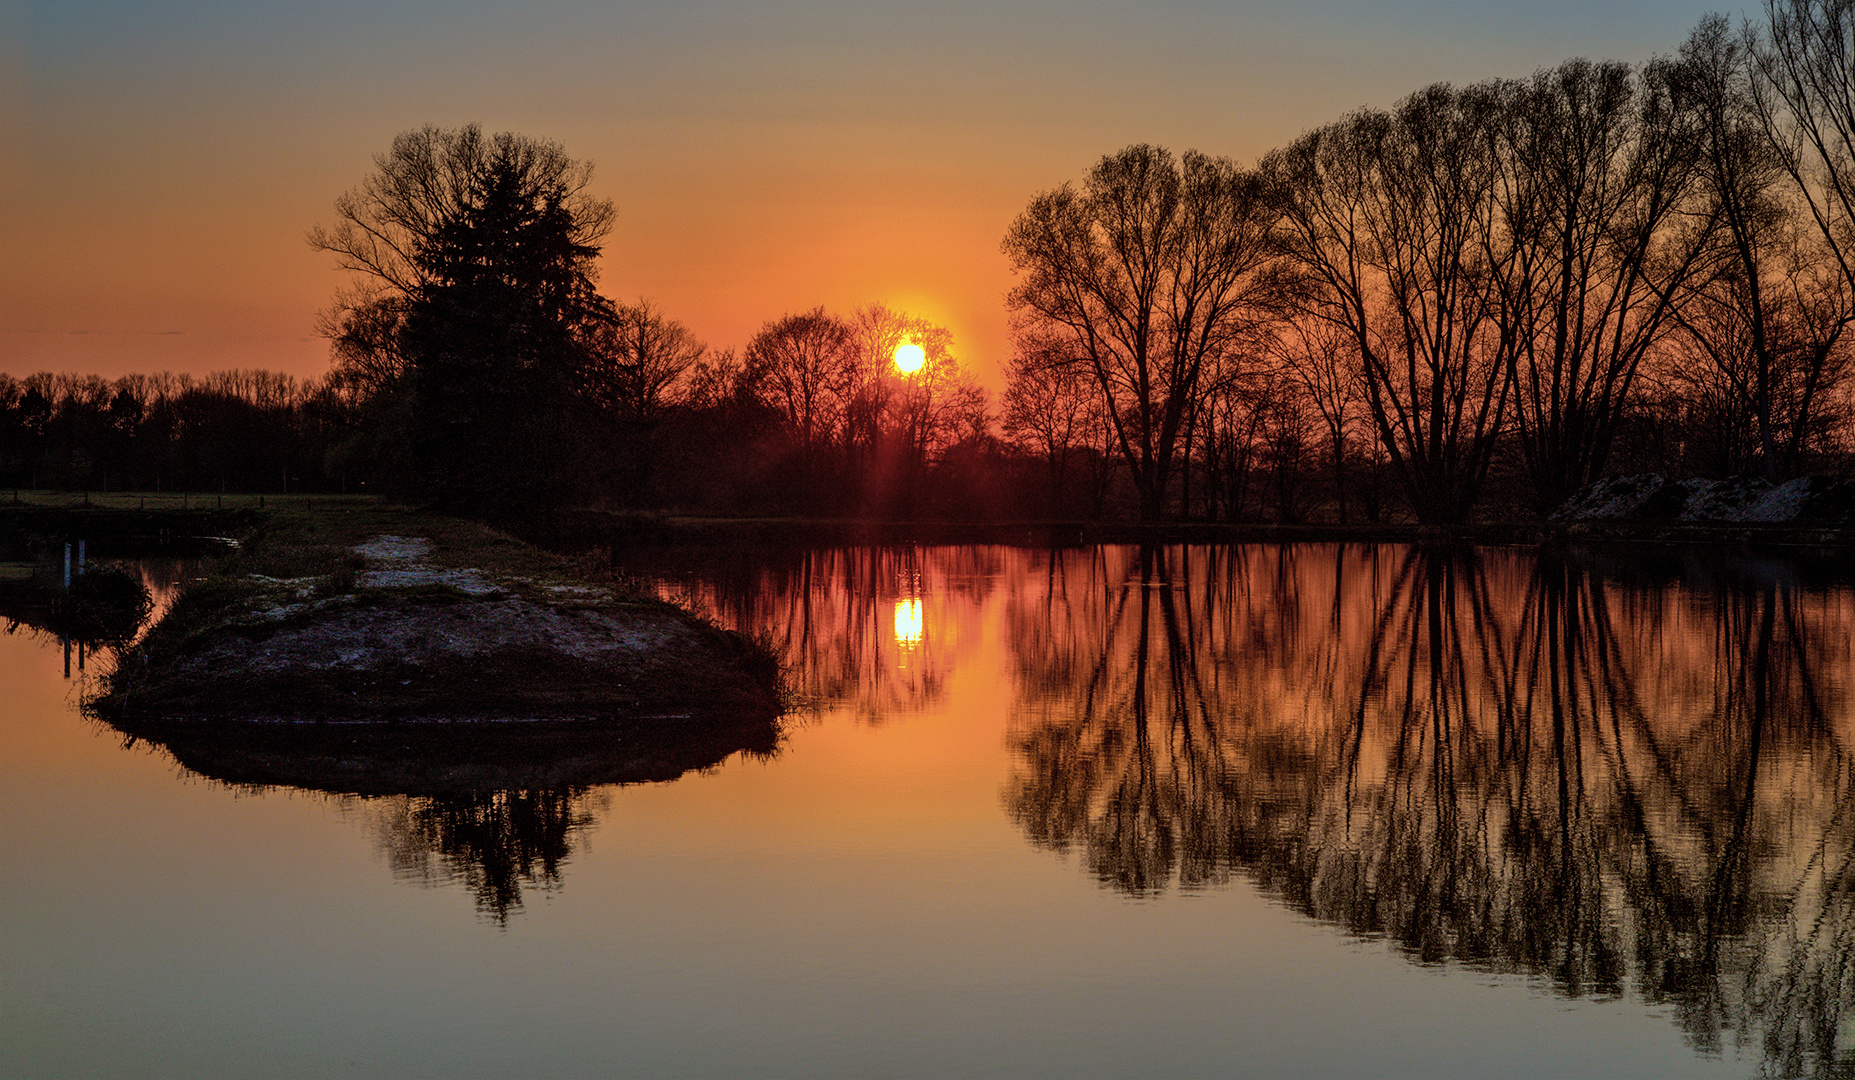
{"x":858,"y":423}
{"x":1525,"y":281}
{"x":488,"y":372}
{"x":228,"y":431}
{"x":1523,"y":273}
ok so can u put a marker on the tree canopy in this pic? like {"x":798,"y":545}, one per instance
{"x":474,"y":292}
{"x":1149,"y":275}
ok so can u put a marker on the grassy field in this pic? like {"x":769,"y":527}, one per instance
{"x":312,"y":535}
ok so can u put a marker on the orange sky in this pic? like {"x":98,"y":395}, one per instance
{"x":160,"y":162}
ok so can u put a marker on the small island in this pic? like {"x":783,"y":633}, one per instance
{"x":379,"y":615}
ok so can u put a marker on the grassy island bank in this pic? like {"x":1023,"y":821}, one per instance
{"x":355,"y":611}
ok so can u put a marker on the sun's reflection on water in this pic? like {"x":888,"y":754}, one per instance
{"x":1619,"y":781}
{"x":1662,"y":750}
{"x":908,"y":623}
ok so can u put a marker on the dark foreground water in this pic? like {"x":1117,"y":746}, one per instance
{"x":1257,"y":811}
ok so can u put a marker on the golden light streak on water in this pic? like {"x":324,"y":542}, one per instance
{"x":908,"y":623}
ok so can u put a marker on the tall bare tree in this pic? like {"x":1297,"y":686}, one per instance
{"x":1772,"y":314}
{"x":1151,"y":271}
{"x":1803,"y":92}
{"x":1594,"y":167}
{"x":635,"y":357}
{"x":1390,"y":217}
{"x":804,"y":366}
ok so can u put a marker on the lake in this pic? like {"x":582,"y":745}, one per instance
{"x":1305,"y":810}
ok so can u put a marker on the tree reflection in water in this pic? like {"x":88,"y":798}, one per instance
{"x":1528,"y":765}
{"x":873,"y":629}
{"x":498,"y":808}
{"x":495,"y":844}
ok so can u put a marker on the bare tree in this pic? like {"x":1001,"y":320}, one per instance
{"x":1230,"y":437}
{"x":1321,"y":363}
{"x":1594,"y":167}
{"x":1150,"y":272}
{"x":713,"y":381}
{"x":1390,"y":217}
{"x":388,"y":229}
{"x":363,"y":329}
{"x":804,"y":367}
{"x":883,"y":401}
{"x":938,"y":403}
{"x":1803,"y":93}
{"x":1050,"y":408}
{"x":634,"y":359}
{"x":1771,"y":315}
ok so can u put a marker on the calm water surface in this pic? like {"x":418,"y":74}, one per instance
{"x":1254,"y":811}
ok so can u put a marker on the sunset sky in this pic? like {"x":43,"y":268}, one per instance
{"x":161,"y":162}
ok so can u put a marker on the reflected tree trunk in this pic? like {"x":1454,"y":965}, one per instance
{"x":1520,"y":764}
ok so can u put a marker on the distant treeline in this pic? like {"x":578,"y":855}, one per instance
{"x":1479,"y":300}
{"x":228,"y":431}
{"x":1474,"y":303}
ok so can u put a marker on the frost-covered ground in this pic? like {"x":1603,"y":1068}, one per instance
{"x":1809,"y":500}
{"x":401,"y":562}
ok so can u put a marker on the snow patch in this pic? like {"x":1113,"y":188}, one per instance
{"x":464,"y":581}
{"x":395,"y":549}
{"x":400,"y":562}
{"x":1650,"y":498}
{"x":1785,"y":502}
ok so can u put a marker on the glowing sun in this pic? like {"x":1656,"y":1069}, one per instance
{"x":909,"y":357}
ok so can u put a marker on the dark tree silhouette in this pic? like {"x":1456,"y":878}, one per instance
{"x":1051,"y":410}
{"x":805,"y":366}
{"x":1803,"y":90}
{"x":635,"y":360}
{"x":1152,"y":273}
{"x":1390,"y":218}
{"x":1594,"y":171}
{"x":1771,"y":317}
{"x":239,"y":430}
{"x":475,"y":256}
{"x":1319,"y":364}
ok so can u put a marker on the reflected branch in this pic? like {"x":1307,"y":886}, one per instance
{"x":495,"y":844}
{"x":1530,"y":765}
